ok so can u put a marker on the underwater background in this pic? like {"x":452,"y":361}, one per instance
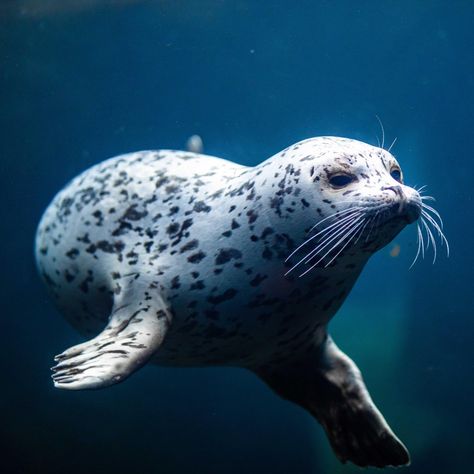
{"x":81,"y":81}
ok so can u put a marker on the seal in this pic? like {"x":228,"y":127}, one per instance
{"x":183,"y":259}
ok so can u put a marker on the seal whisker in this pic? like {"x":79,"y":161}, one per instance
{"x":393,"y":143}
{"x":383,"y":131}
{"x":333,"y":236}
{"x":336,"y":214}
{"x":338,"y":229}
{"x":434,"y":211}
{"x":351,"y":202}
{"x":344,"y":218}
{"x":323,"y":231}
{"x":347,"y":243}
{"x":428,"y":240}
{"x":345,"y":231}
{"x":422,"y":243}
{"x":431,"y":220}
{"x":379,"y":218}
{"x":430,"y":237}
{"x":438,"y":230}
{"x":419,"y":246}
{"x":336,"y":224}
{"x":351,"y":230}
{"x":361,"y":232}
{"x":372,"y":220}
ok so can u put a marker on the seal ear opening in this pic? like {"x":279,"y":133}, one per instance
{"x":332,"y":390}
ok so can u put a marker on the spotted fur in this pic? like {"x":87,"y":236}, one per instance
{"x":194,"y":248}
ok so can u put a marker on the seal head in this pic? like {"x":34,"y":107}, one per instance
{"x":361,"y":200}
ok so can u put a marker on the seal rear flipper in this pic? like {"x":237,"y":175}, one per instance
{"x":331,"y":388}
{"x":136,"y":329}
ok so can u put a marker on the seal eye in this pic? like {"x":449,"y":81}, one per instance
{"x":340,"y":180}
{"x":396,"y":174}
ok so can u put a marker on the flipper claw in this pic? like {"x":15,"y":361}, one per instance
{"x":132,"y":336}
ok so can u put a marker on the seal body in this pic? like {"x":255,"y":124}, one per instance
{"x":183,"y":259}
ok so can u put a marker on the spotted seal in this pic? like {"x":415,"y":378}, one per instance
{"x":183,"y":259}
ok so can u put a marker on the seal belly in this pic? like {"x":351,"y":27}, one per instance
{"x":250,"y":316}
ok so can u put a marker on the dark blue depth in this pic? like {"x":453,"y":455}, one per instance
{"x":82,"y":81}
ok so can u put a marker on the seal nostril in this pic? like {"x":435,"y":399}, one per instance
{"x":402,"y":199}
{"x":396,"y":189}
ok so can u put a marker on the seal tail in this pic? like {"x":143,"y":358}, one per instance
{"x":134,"y":333}
{"x":333,"y":391}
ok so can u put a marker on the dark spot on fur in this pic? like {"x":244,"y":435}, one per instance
{"x":161,"y":181}
{"x":69,"y":276}
{"x":196,"y":257}
{"x":235,"y":224}
{"x":198,"y":285}
{"x":258,"y":279}
{"x":171,"y":189}
{"x":191,"y":245}
{"x":175,"y":283}
{"x":132,"y":214}
{"x":225,"y":255}
{"x":73,"y":253}
{"x":266,"y":232}
{"x":85,"y":239}
{"x":201,"y":206}
{"x":114,"y":247}
{"x":172,"y":228}
{"x":252,"y":215}
{"x":227,"y":295}
{"x":123,"y":228}
{"x":173,"y":210}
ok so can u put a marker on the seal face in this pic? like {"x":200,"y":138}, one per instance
{"x":184,"y":259}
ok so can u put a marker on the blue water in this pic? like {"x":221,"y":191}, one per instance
{"x":81,"y":82}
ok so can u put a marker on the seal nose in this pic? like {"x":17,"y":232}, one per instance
{"x":402,"y":200}
{"x":397,"y":190}
{"x":411,"y":208}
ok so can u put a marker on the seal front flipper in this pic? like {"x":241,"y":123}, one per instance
{"x":136,"y":328}
{"x":329,"y":385}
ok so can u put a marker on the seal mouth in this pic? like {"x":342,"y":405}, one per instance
{"x":408,"y":211}
{"x":409,"y":208}
{"x":369,"y":225}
